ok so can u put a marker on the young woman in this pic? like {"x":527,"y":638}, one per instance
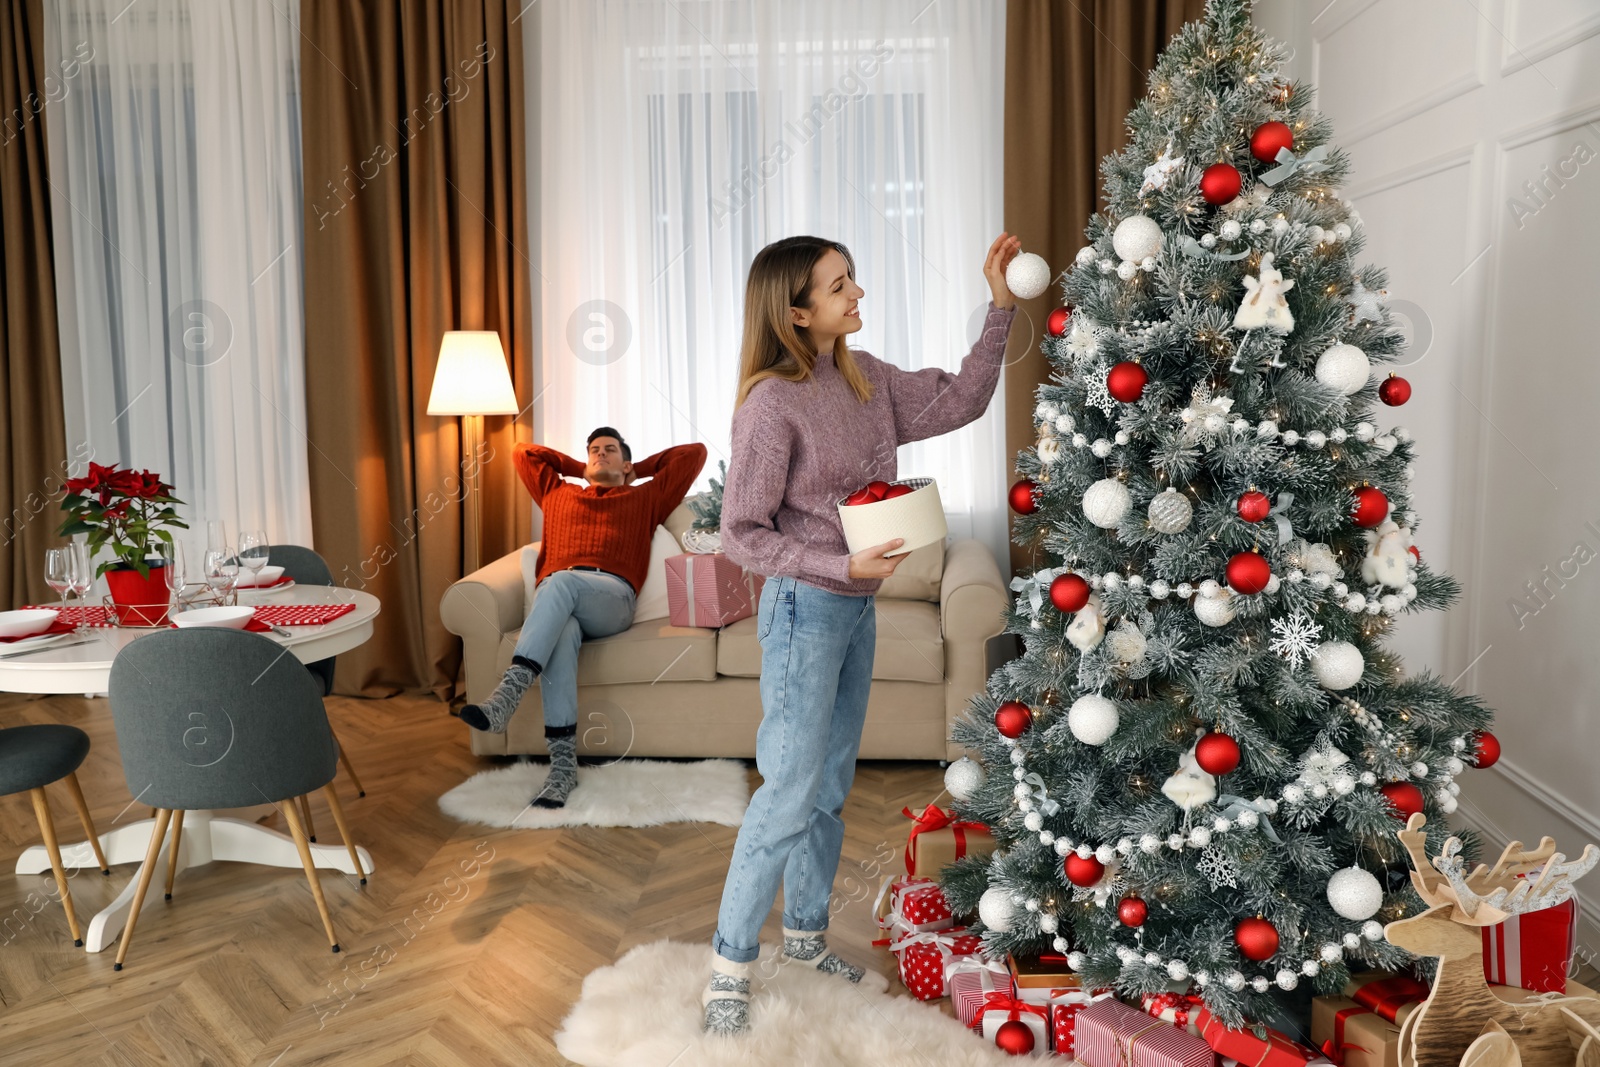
{"x":813,"y":421}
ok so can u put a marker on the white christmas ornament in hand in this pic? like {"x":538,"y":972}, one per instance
{"x":1355,"y":894}
{"x":1170,"y":512}
{"x":1106,"y":502}
{"x":1345,"y":368}
{"x":963,"y":778}
{"x":1027,"y":276}
{"x":1190,"y":787}
{"x":1214,"y":610}
{"x":1388,"y":555}
{"x":1088,"y":627}
{"x":1264,"y":305}
{"x":1136,"y":237}
{"x":1337,"y":665}
{"x":1092,"y":719}
{"x":996,"y":909}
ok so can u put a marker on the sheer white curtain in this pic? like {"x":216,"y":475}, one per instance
{"x":678,"y":138}
{"x":175,"y":175}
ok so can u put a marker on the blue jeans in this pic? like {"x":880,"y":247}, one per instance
{"x":816,"y":670}
{"x":567,"y":607}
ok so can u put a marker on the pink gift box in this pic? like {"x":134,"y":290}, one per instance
{"x":969,"y":989}
{"x":1112,"y":1034}
{"x":929,"y":959}
{"x":1532,"y":950}
{"x":710,"y":590}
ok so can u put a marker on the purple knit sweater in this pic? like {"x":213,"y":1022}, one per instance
{"x":800,"y":446}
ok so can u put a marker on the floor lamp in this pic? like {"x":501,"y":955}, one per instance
{"x":471,"y":380}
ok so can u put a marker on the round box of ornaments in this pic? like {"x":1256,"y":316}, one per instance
{"x":908,"y":508}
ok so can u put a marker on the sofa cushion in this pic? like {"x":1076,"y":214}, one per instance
{"x":645,"y":652}
{"x":918,"y":577}
{"x":909,"y":648}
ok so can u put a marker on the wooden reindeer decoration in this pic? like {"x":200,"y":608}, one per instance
{"x":1462,"y":1023}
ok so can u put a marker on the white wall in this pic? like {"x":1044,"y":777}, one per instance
{"x":1449,"y":108}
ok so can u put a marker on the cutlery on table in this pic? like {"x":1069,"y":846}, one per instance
{"x":45,"y":648}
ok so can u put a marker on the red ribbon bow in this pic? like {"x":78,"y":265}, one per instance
{"x":932,"y":818}
{"x":1387,"y":996}
{"x":1002,"y":1001}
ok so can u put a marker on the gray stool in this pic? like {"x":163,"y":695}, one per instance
{"x":31,"y":757}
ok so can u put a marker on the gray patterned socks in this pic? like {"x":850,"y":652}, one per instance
{"x":726,"y":998}
{"x":810,"y":947}
{"x":493,"y":714}
{"x":562,"y":742}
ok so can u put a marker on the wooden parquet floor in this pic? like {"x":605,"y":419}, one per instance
{"x":466,"y":948}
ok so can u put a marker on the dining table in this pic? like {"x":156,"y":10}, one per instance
{"x":82,"y":664}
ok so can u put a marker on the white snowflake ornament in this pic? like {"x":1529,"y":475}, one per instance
{"x":1296,"y":638}
{"x":1366,"y":305}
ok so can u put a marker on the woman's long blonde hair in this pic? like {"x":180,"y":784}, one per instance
{"x":774,"y":347}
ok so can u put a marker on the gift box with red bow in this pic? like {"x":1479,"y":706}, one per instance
{"x":970,"y":988}
{"x":938,"y":839}
{"x":1533,"y":950}
{"x":710,"y":590}
{"x":929,"y":959}
{"x":1000,"y":1008}
{"x":1065,"y":1005}
{"x":1112,"y":1034}
{"x":1180,"y":1009}
{"x":912,"y":906}
{"x":1272,"y":1050}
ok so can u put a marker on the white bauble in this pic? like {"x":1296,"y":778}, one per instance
{"x":1214,"y":610}
{"x":1337,"y":665}
{"x":1034,"y":821}
{"x":1136,"y":237}
{"x":996,"y":909}
{"x":963,"y":778}
{"x":1372,"y":930}
{"x":1027,"y":276}
{"x":1126,"y":643}
{"x":1126,"y":270}
{"x":1106,"y":502}
{"x":1170,"y":512}
{"x":1355,"y":894}
{"x":1345,"y":368}
{"x":1092,"y":719}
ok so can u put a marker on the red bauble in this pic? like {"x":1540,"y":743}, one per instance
{"x":1249,"y":572}
{"x":1254,"y":506}
{"x":1014,"y":1037}
{"x":1126,"y":381}
{"x":1056,"y":323}
{"x":1217,"y":753}
{"x":1487,"y":746}
{"x":1083,"y":870}
{"x":1268,"y":138}
{"x":878,"y":488}
{"x":1132,"y":911}
{"x":1013,"y":718}
{"x":897,"y":490}
{"x":1220,"y":183}
{"x":1022,"y":501}
{"x":1404,"y":798}
{"x":1257,"y":939}
{"x":861,"y":496}
{"x":1069,"y":593}
{"x":1416,"y":553}
{"x":1394,"y":391}
{"x":1371,"y":507}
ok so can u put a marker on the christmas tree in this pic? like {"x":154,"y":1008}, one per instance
{"x":1196,"y":769}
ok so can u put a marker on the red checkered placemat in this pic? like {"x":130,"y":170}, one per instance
{"x":302,"y":614}
{"x":96,"y":616}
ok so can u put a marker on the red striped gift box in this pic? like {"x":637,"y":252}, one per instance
{"x":1532,"y":950}
{"x":1111,"y":1034}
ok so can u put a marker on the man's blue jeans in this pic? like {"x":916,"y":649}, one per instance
{"x":816,"y":669}
{"x":567,"y":607}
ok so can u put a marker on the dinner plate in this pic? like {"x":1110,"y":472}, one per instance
{"x":245,"y":590}
{"x":30,"y":642}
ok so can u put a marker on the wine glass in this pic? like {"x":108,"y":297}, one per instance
{"x":82,"y":580}
{"x":216,"y":535}
{"x":253,"y":553}
{"x":58,"y":572}
{"x":222,"y":572}
{"x":172,"y":560}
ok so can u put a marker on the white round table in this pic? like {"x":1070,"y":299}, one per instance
{"x":86,"y":668}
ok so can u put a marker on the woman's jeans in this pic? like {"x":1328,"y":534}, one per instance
{"x":567,"y":607}
{"x":816,"y":669}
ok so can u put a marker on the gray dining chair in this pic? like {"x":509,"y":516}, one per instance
{"x":214,"y":718}
{"x":32,"y":757}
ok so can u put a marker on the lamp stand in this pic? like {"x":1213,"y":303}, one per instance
{"x":471,"y":439}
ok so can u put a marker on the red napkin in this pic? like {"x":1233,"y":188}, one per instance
{"x":302,"y":614}
{"x":57,"y":627}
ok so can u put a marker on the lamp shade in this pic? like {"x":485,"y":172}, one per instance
{"x":471,"y":377}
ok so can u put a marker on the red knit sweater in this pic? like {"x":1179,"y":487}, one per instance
{"x":607,"y":526}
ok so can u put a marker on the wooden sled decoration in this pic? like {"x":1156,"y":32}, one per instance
{"x":1462,"y":1023}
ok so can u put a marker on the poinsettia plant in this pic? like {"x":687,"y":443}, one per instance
{"x":128,"y":510}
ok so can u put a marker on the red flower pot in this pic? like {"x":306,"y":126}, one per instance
{"x":139,"y":601}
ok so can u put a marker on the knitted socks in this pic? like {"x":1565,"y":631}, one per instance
{"x":562,"y":742}
{"x":810,"y":947}
{"x":726,"y":998}
{"x":493,"y":714}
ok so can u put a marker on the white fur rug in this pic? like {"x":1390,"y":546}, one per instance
{"x":644,"y":1011}
{"x":625,"y":793}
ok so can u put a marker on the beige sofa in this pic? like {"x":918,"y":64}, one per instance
{"x":662,"y":690}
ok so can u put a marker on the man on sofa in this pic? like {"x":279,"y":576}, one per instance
{"x":593,"y":558}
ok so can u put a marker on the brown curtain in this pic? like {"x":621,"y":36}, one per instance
{"x":1074,"y":69}
{"x":33,"y":448}
{"x":415,"y":224}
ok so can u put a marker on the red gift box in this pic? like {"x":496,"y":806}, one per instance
{"x":929,"y":958}
{"x":1111,"y":1034}
{"x":915,"y":905}
{"x":969,"y":989}
{"x":1065,"y":1006}
{"x":1533,"y":950}
{"x":1180,"y":1009}
{"x":1274,"y":1050}
{"x":709,"y":590}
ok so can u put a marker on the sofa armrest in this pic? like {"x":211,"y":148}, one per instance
{"x":972,"y":605}
{"x":481,"y":609}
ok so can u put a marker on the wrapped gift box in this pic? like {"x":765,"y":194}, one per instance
{"x":969,"y":990}
{"x":1271,"y":1049}
{"x":912,"y":906}
{"x":709,"y":591}
{"x":1048,"y":970}
{"x":1533,"y":950}
{"x":1000,"y":1008}
{"x":938,"y":839}
{"x":929,"y":959}
{"x":1065,"y":1006}
{"x":1112,"y":1034}
{"x":1180,"y":1009}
